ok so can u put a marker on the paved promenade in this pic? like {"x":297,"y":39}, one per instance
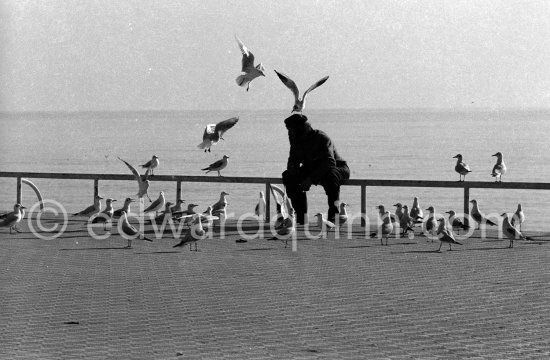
{"x":76,"y":297}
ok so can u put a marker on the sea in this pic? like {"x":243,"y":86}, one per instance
{"x":377,"y":144}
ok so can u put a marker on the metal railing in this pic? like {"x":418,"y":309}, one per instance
{"x":362,"y":183}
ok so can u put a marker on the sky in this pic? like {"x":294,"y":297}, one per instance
{"x":105,"y":55}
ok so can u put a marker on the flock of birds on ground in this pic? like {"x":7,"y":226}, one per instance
{"x":285,"y":225}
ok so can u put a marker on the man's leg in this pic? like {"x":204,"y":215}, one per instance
{"x":296,"y":195}
{"x":331,"y":183}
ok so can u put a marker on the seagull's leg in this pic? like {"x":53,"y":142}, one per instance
{"x":440,"y":246}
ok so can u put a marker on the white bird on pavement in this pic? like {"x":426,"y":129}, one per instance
{"x":219,"y":208}
{"x":106,"y":216}
{"x":125,"y":207}
{"x":431,"y":223}
{"x":416,"y":211}
{"x":385,"y":229}
{"x":500,"y":168}
{"x":444,"y":235}
{"x":249,"y":71}
{"x":92,"y":209}
{"x":343,"y":214}
{"x":406,"y":222}
{"x":455,"y":222}
{"x":151,"y":164}
{"x":185,"y":213}
{"x":217,"y":166}
{"x":398,"y":210}
{"x":259,"y":210}
{"x":156,"y":205}
{"x":299,"y":104}
{"x":177,"y":206}
{"x":461,"y":167}
{"x":165,"y":216}
{"x":195,"y":233}
{"x":143,"y":183}
{"x":394,"y":218}
{"x":12,"y":219}
{"x":129,"y":232}
{"x":478,"y":216}
{"x":518,"y":218}
{"x":286,"y":229}
{"x":214,"y":132}
{"x":324,"y":225}
{"x":510,"y":231}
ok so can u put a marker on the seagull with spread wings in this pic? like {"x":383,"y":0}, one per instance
{"x":299,"y":104}
{"x":250,"y":72}
{"x":143,"y":183}
{"x":214,"y":132}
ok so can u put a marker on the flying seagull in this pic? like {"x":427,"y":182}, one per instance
{"x":250,"y":72}
{"x":299,"y":104}
{"x":214,"y":132}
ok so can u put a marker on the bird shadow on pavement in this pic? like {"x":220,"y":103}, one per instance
{"x":257,"y":249}
{"x":161,"y":252}
{"x":96,"y":248}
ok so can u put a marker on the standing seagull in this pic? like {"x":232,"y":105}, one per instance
{"x":92,"y":209}
{"x":431,"y":223}
{"x":398,"y":210}
{"x":259,"y":210}
{"x":125,"y":207}
{"x":151,"y":164}
{"x":250,"y":72}
{"x":455,"y":222}
{"x":444,"y":235}
{"x":500,"y":168}
{"x":385,"y":229}
{"x":214,"y":132}
{"x":299,"y":104}
{"x":129,"y":232}
{"x":143,"y":183}
{"x":518,"y":218}
{"x":194,"y":234}
{"x":461,"y":167}
{"x":416,"y":211}
{"x":218,"y":209}
{"x":106,"y":216}
{"x":13,"y":218}
{"x":478,"y":216}
{"x":324,"y":225}
{"x":343,"y":214}
{"x":217,"y":166}
{"x":156,"y":205}
{"x":510,"y":231}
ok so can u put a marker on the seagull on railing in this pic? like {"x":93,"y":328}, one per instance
{"x":499,"y":169}
{"x":151,"y":164}
{"x":461,"y":167}
{"x":217,"y":166}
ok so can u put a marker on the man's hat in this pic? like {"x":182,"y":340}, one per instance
{"x":295,"y":120}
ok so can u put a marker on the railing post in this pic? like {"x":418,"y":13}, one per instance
{"x":466,"y":205}
{"x":268,"y":202}
{"x":363,"y":205}
{"x":96,"y":187}
{"x":178,"y":191}
{"x":19,"y":195}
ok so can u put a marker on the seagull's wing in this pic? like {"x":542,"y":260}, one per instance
{"x":209,"y":130}
{"x":133,"y":169}
{"x":225,"y":125}
{"x":153,"y":204}
{"x":289,"y":83}
{"x":314,"y":86}
{"x":248,"y":57}
{"x":9,"y":219}
{"x":216,"y":164}
{"x":147,"y":164}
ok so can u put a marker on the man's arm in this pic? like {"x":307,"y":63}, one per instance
{"x":324,"y":159}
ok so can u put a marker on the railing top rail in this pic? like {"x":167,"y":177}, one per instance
{"x":274,"y":180}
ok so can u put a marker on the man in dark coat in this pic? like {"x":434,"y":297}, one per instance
{"x":313,"y":159}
